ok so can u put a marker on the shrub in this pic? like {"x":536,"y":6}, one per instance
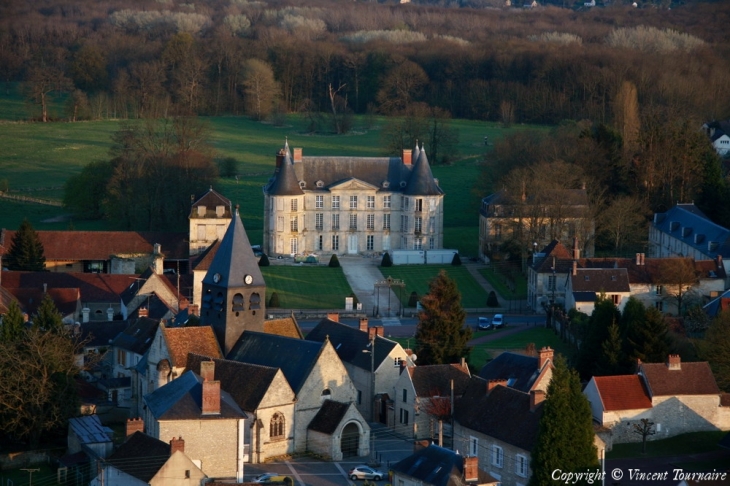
{"x":456,"y":261}
{"x":386,"y":262}
{"x":274,"y":300}
{"x":334,"y":262}
{"x":492,"y":299}
{"x":264,"y":260}
{"x":413,"y":299}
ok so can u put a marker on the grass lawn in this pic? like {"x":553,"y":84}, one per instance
{"x":417,"y":277}
{"x":501,"y":285}
{"x":692,"y":443}
{"x":45,"y":475}
{"x":306,"y":287}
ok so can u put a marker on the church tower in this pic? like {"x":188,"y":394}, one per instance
{"x":234,"y":291}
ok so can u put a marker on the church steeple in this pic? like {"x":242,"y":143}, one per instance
{"x":234,"y":291}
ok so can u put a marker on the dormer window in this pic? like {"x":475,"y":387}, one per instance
{"x":220,"y":211}
{"x":201,"y":211}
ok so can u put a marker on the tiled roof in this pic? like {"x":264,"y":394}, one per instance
{"x":203,"y":260}
{"x":101,"y":245}
{"x":433,"y":380}
{"x":350,"y":343}
{"x":284,"y":326}
{"x":183,"y":340}
{"x":182,"y":399}
{"x":432,"y":465}
{"x":295,"y":357}
{"x":600,"y":279}
{"x":66,"y":299}
{"x":94,"y":287}
{"x":141,"y":456}
{"x":328,"y":417}
{"x":247,"y":383}
{"x":138,"y":337}
{"x":555,"y":253}
{"x":694,"y":378}
{"x":497,"y":413}
{"x":520,"y":370}
{"x":622,"y":392}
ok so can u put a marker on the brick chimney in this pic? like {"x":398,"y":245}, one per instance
{"x":407,"y":156}
{"x":492,"y":384}
{"x":471,"y":468}
{"x":674,"y":362}
{"x":364,"y":324}
{"x":376,"y":331}
{"x":143,"y":312}
{"x":545,"y":354}
{"x":575,"y":268}
{"x":207,"y":370}
{"x":638,"y":258}
{"x":211,"y":397}
{"x":420,"y":444}
{"x":297,"y":155}
{"x":536,"y":398}
{"x":576,"y":250}
{"x":333,"y":316}
{"x":194,"y":310}
{"x":280,"y":158}
{"x":135,"y":425}
{"x":643,"y":256}
{"x":177,"y":445}
{"x":158,"y":258}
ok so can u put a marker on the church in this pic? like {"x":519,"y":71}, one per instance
{"x":352,"y":205}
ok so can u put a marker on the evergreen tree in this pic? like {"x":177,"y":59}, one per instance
{"x":604,"y":314}
{"x":650,"y":339}
{"x":386,"y":262}
{"x":334,"y":261}
{"x":47,"y":318}
{"x":274,"y":301}
{"x":565,"y":436}
{"x":12,"y":323}
{"x":456,"y":261}
{"x":26,"y":250}
{"x":715,"y":348}
{"x":441,"y":335}
{"x":612,"y":360}
{"x":264,"y":260}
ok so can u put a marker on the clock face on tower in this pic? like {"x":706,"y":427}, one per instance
{"x":217,"y":277}
{"x":248,"y":279}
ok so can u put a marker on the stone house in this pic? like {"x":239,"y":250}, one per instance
{"x":209,"y":218}
{"x":552,"y":264}
{"x":498,"y":425}
{"x":354,"y":347}
{"x":143,"y":460}
{"x":584,"y":286}
{"x":352,"y":205}
{"x":436,"y":466}
{"x":533,"y":222}
{"x":195,"y":408}
{"x":315,"y":374}
{"x":421,"y":390}
{"x":686,"y":231}
{"x":521,"y":372}
{"x":266,"y":397}
{"x":678,"y":397}
{"x":151,"y":295}
{"x":128,"y":350}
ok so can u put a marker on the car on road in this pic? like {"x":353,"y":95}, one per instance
{"x":270,"y":477}
{"x":498,"y":321}
{"x":365,"y":472}
{"x":484,"y":324}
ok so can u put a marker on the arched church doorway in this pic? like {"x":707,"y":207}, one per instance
{"x":350,"y":440}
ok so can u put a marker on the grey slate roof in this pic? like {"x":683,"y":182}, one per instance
{"x":433,"y":465}
{"x":100,"y":333}
{"x":286,"y":182}
{"x":421,"y":181}
{"x":600,"y":279}
{"x":234,"y":259}
{"x":89,"y":430}
{"x":141,"y":456}
{"x":349,"y":343}
{"x":181,"y":399}
{"x":433,"y":380}
{"x":512,"y":366}
{"x":246,"y":383}
{"x":329,"y":417}
{"x":496,"y":414}
{"x":295,"y":357}
{"x":138,"y":337}
{"x":687,"y":223}
{"x":136,"y":285}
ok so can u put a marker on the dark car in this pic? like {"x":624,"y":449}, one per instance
{"x":484,"y":324}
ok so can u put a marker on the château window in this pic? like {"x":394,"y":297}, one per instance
{"x":353,"y":221}
{"x":294,"y":205}
{"x":371,"y":202}
{"x":335,"y":202}
{"x":419,"y":205}
{"x":353,"y":202}
{"x":371,"y":221}
{"x":318,"y":221}
{"x":370,"y":242}
{"x":335,"y":222}
{"x":497,"y":456}
{"x":335,"y":242}
{"x":319,"y":202}
{"x":276,"y":429}
{"x":386,"y":221}
{"x":386,"y":201}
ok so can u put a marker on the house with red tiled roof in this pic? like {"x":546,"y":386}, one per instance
{"x":422,"y":390}
{"x":678,"y":397}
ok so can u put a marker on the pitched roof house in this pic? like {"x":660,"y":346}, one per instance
{"x":355,"y":349}
{"x":524,"y":373}
{"x":499,"y":425}
{"x":195,"y":407}
{"x":585,"y":285}
{"x":422,"y":390}
{"x":437,"y":466}
{"x":143,"y":460}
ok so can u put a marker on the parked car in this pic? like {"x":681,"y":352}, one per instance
{"x":498,"y":321}
{"x":270,"y":477}
{"x":484,"y":324}
{"x":365,"y":472}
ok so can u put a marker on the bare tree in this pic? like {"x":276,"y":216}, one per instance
{"x":679,"y":277}
{"x":260,"y":88}
{"x":644,"y":428}
{"x":623,"y":222}
{"x":401,"y":87}
{"x":626,"y":113}
{"x":439,"y":407}
{"x":41,"y":82}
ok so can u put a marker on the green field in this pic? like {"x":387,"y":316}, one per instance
{"x":306,"y":287}
{"x":417,"y":277}
{"x":37,"y":159}
{"x":692,"y":443}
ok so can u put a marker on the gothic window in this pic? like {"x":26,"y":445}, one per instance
{"x":276,"y":429}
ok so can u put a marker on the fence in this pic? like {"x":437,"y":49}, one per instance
{"x":47,"y":202}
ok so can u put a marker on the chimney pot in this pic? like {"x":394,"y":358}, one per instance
{"x":545,"y":354}
{"x":675,"y":362}
{"x":177,"y":445}
{"x":575,"y":268}
{"x":207,"y":370}
{"x":135,"y":425}
{"x":364,"y":324}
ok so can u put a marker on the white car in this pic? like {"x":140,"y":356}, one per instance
{"x":365,"y":472}
{"x":498,"y":321}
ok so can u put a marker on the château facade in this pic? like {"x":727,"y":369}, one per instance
{"x":352,"y":205}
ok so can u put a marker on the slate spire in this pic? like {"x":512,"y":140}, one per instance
{"x":422,"y":182}
{"x":285,"y":181}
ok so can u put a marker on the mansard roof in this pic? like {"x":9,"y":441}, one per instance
{"x":210,"y":200}
{"x":687,"y":223}
{"x":234,"y":259}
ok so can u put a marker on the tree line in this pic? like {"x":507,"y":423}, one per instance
{"x":267,"y":58}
